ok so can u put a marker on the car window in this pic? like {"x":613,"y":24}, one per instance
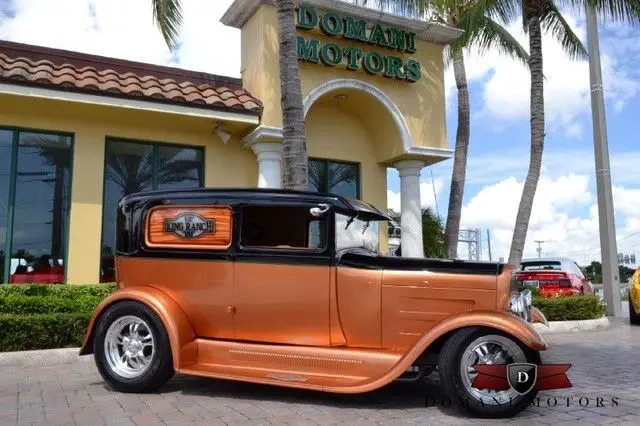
{"x":578,"y":271}
{"x":282,"y":227}
{"x":541,"y":265}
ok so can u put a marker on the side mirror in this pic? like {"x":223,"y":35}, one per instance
{"x":319,"y":211}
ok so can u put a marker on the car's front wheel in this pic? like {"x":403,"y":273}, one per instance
{"x":132,"y":349}
{"x":475,"y":345}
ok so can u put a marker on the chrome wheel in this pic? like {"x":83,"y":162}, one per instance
{"x":490,"y":349}
{"x":129,"y":346}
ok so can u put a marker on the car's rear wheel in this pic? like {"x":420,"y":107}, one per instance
{"x":634,"y":318}
{"x":131,"y":347}
{"x":476,"y":345}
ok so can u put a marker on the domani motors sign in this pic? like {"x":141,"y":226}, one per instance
{"x":331,"y":54}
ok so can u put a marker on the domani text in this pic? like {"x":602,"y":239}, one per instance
{"x":331,"y":54}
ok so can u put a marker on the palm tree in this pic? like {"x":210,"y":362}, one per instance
{"x":481,"y":21}
{"x":295,"y":162}
{"x":538,"y":15}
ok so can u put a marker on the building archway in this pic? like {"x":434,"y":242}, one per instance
{"x":350,"y":84}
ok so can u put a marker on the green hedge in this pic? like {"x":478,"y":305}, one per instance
{"x":59,"y":290}
{"x":37,"y":316}
{"x":42,"y":331}
{"x":568,"y":308}
{"x":571,"y":308}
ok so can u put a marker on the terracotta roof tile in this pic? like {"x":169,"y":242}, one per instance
{"x":23,"y":64}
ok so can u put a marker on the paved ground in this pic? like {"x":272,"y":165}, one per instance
{"x":606,"y":365}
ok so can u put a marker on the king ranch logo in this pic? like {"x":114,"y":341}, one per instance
{"x":189,"y":226}
{"x":331,"y":54}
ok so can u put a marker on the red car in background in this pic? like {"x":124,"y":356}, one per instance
{"x":45,"y":270}
{"x":554,"y":276}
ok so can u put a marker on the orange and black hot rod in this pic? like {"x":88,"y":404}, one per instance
{"x":289,"y":288}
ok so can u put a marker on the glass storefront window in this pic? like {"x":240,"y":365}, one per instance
{"x":132,"y":166}
{"x":35,"y":195}
{"x":334,"y":177}
{"x":6,"y":142}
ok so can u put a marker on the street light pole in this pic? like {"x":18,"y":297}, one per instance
{"x":608,"y":247}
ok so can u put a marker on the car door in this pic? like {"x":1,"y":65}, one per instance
{"x":282,"y":275}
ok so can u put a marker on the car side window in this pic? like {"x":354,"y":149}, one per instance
{"x":282,"y":227}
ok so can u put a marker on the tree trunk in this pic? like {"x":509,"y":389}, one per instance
{"x":294,"y":148}
{"x":537,"y":140}
{"x":460,"y":158}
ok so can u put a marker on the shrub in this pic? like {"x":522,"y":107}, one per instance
{"x":40,"y":316}
{"x":64,"y":290}
{"x":534,"y":290}
{"x":571,"y":308}
{"x":42,"y":331}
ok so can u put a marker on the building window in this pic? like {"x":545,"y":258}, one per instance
{"x":334,"y":177}
{"x":35,"y":195}
{"x":141,"y":166}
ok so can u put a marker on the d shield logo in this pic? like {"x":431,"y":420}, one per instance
{"x":522,"y":376}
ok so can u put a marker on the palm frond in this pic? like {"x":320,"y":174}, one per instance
{"x":418,"y":9}
{"x":503,"y":11}
{"x":553,"y":22}
{"x":623,"y":11}
{"x":167,"y":15}
{"x":489,"y":34}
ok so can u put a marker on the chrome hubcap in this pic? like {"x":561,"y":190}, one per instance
{"x":491,"y":349}
{"x":129,"y":346}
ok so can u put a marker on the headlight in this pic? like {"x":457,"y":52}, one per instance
{"x":520,"y":304}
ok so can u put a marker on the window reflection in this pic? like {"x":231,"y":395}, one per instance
{"x":41,"y":206}
{"x":334,"y":177}
{"x":137,"y":166}
{"x":179,"y":167}
{"x":6,"y":139}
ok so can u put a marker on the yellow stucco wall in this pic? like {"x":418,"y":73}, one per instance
{"x":337,"y":134}
{"x":90,"y":126}
{"x":421,"y":103}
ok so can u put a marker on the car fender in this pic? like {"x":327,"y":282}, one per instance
{"x":502,"y":321}
{"x":181,"y":335}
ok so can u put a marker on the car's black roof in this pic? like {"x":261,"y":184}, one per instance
{"x":340,"y":203}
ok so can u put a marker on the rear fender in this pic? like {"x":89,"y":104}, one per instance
{"x":502,"y":321}
{"x":181,"y":335}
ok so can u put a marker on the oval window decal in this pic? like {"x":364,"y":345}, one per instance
{"x":201,"y":227}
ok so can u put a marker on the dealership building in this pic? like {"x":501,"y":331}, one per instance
{"x":77,"y":131}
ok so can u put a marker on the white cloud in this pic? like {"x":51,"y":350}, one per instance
{"x":564,"y":216}
{"x":506,"y":82}
{"x":125,"y":29}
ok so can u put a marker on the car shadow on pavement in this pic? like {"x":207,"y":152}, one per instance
{"x":427,"y":394}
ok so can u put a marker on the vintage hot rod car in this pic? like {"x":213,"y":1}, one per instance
{"x":289,"y":288}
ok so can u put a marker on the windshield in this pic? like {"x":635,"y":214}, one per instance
{"x":352,"y":232}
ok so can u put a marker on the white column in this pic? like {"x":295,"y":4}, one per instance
{"x":410,"y":208}
{"x":269,"y":160}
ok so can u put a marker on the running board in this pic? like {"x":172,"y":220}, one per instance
{"x":306,"y":367}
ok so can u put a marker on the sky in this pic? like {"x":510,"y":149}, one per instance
{"x":565,"y":214}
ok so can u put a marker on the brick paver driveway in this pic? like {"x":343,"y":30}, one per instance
{"x":605,"y":377}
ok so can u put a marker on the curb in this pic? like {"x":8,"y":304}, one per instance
{"x":557,"y":327}
{"x":42,"y":358}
